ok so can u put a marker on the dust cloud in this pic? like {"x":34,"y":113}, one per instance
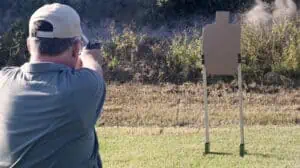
{"x":284,"y":9}
{"x":265,"y":14}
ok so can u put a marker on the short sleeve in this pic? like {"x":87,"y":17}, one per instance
{"x":89,"y":95}
{"x":7,"y":70}
{"x":91,"y":81}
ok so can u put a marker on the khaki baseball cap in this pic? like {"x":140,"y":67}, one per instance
{"x":63,"y":18}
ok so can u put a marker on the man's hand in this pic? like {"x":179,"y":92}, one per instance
{"x":94,"y":53}
{"x":89,"y":59}
{"x":78,"y":64}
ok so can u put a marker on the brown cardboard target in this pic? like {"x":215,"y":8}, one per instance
{"x":221,"y":46}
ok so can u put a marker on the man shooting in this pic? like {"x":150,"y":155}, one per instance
{"x":49,"y":106}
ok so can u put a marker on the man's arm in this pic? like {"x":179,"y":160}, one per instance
{"x":88,"y":59}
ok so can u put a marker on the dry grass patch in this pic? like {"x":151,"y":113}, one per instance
{"x":172,"y":105}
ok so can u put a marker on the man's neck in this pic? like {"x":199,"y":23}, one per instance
{"x":50,"y":59}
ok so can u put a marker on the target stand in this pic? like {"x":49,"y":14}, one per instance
{"x":222,"y":48}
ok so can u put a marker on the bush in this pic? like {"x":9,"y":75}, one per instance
{"x":121,"y":47}
{"x":13,"y":50}
{"x":183,"y":59}
{"x":274,"y":48}
{"x":155,"y":59}
{"x":176,"y":58}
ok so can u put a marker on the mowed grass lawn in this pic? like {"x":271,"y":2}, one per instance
{"x":267,"y":146}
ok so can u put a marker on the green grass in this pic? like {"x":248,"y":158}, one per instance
{"x":269,"y":146}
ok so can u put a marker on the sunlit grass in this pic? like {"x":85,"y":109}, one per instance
{"x":268,"y":146}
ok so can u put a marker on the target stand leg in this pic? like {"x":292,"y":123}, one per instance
{"x":240,"y":81}
{"x":206,"y":120}
{"x":242,"y":150}
{"x":207,"y":148}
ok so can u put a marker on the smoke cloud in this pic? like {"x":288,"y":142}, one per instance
{"x":266,"y":14}
{"x":284,"y":9}
{"x":259,"y":15}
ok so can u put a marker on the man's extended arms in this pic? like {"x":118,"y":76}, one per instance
{"x":88,"y":59}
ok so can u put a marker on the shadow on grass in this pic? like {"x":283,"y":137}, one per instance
{"x":261,"y":155}
{"x":246,"y":154}
{"x":218,"y":153}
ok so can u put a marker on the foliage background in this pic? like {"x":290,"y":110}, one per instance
{"x":131,"y":54}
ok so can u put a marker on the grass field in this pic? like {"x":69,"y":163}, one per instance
{"x":267,"y":147}
{"x":146,"y":126}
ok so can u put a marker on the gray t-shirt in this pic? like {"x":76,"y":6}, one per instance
{"x":47,"y":116}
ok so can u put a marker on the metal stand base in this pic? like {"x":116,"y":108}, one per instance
{"x":241,"y":109}
{"x":207,"y":148}
{"x":242,"y":150}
